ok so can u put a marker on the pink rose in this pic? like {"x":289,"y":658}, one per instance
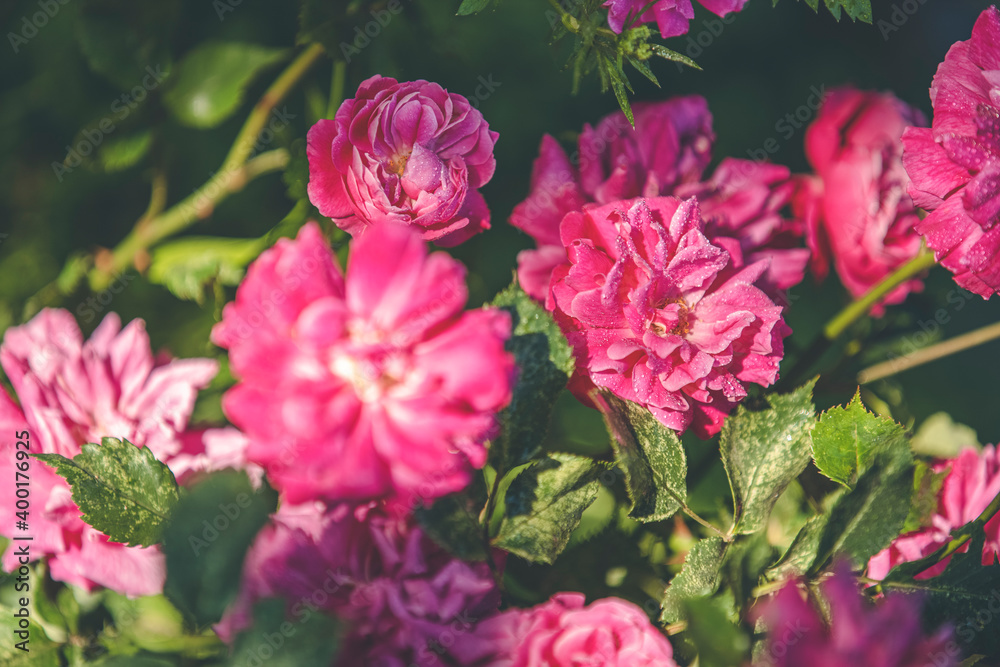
{"x":858,"y":214}
{"x":671,"y":16}
{"x":657,"y":315}
{"x":671,"y":144}
{"x":564,"y":633}
{"x":955,"y":164}
{"x":666,"y":154}
{"x":743,"y":207}
{"x":405,"y":599}
{"x":408,"y":152}
{"x":972,"y":483}
{"x":886,"y":634}
{"x":371,"y":386}
{"x":74,"y":392}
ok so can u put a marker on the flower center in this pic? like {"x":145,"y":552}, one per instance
{"x":671,"y":317}
{"x":370,"y":373}
{"x":397,"y":163}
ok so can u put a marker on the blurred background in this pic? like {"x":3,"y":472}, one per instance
{"x":66,"y":74}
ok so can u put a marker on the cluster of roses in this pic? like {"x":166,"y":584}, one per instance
{"x":367,"y":392}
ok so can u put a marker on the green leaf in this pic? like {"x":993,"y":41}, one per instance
{"x":650,"y":455}
{"x":41,"y":651}
{"x":544,"y":505}
{"x":210,"y":531}
{"x":926,"y":488}
{"x":211,"y":80}
{"x":453,"y":521}
{"x":187,"y":265}
{"x":545,"y":364}
{"x":866,"y":519}
{"x":621,"y":94}
{"x":700,"y":577}
{"x":801,"y":553}
{"x":118,"y":153}
{"x":846,"y":441}
{"x":643,"y":69}
{"x":718,"y":641}
{"x":127,"y":44}
{"x":962,"y":596}
{"x":855,"y":9}
{"x":135,"y":661}
{"x":745,"y":563}
{"x":472,"y":6}
{"x":674,"y":56}
{"x":763,"y":451}
{"x":149,"y":623}
{"x":302,"y":638}
{"x":596,"y":518}
{"x":121,"y":489}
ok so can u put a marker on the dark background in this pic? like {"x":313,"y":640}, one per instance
{"x":760,"y":66}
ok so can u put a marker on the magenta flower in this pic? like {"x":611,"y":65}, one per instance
{"x":857,"y":212}
{"x":74,"y":392}
{"x":671,"y":144}
{"x":742,"y":205}
{"x":657,"y":315}
{"x":972,"y":483}
{"x":406,"y":600}
{"x":564,"y":633}
{"x":373,"y":386}
{"x":407,"y":152}
{"x":666,"y":154}
{"x":955,"y":164}
{"x":671,"y":16}
{"x":887,"y":634}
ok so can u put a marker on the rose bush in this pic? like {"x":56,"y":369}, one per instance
{"x":605,"y":449}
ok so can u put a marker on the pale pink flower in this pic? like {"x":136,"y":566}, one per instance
{"x":562,"y":632}
{"x":857,"y":212}
{"x":671,"y":16}
{"x":667,"y":153}
{"x":74,"y":392}
{"x":407,"y":152}
{"x":860,"y":634}
{"x":955,"y":164}
{"x":973,"y":481}
{"x":373,"y":386}
{"x":404,"y":598}
{"x":657,"y":315}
